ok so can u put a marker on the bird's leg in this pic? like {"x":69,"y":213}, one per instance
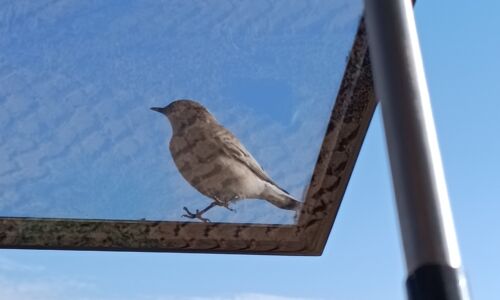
{"x":199,"y":213}
{"x":224,"y":204}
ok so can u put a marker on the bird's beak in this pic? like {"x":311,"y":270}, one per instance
{"x":158,"y":109}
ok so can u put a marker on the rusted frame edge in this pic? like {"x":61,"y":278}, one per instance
{"x":354,"y":108}
{"x":152,"y":236}
{"x":351,"y":115}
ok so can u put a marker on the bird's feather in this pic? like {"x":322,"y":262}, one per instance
{"x":232,"y":147}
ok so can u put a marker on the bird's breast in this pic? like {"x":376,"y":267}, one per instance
{"x":203,"y":163}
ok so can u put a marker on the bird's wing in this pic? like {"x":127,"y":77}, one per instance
{"x":232,"y":147}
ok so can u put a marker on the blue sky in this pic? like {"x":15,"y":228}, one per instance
{"x":363,"y":258}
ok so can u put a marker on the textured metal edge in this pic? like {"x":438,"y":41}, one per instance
{"x":118,"y":235}
{"x":351,"y":115}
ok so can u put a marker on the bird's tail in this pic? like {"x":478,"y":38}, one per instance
{"x":280,"y":198}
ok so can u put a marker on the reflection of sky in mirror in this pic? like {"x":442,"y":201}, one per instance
{"x":77,"y":79}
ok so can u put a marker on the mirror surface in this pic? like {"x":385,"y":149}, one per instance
{"x":77,"y":80}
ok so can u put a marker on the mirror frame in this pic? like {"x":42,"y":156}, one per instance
{"x":353,"y":110}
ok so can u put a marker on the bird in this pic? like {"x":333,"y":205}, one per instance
{"x":213,"y":161}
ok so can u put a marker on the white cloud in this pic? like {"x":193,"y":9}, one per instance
{"x":42,"y":289}
{"x":23,"y":281}
{"x":9,"y":265}
{"x":60,"y":288}
{"x":255,"y":297}
{"x":242,"y":296}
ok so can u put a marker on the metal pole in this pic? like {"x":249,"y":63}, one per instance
{"x":427,"y":229}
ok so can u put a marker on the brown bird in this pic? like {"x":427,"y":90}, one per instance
{"x":214,"y":161}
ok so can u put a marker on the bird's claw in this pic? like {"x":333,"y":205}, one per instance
{"x":226,"y":205}
{"x":223,"y":204}
{"x":198,"y":215}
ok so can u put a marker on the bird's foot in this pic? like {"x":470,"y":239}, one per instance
{"x":222,"y":203}
{"x":198,"y":215}
{"x":226,"y":206}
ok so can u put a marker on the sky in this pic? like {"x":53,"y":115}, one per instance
{"x":363,"y":258}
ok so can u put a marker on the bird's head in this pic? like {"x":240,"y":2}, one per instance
{"x":182,"y":113}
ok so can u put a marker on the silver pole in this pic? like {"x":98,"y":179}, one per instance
{"x":427,"y":229}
